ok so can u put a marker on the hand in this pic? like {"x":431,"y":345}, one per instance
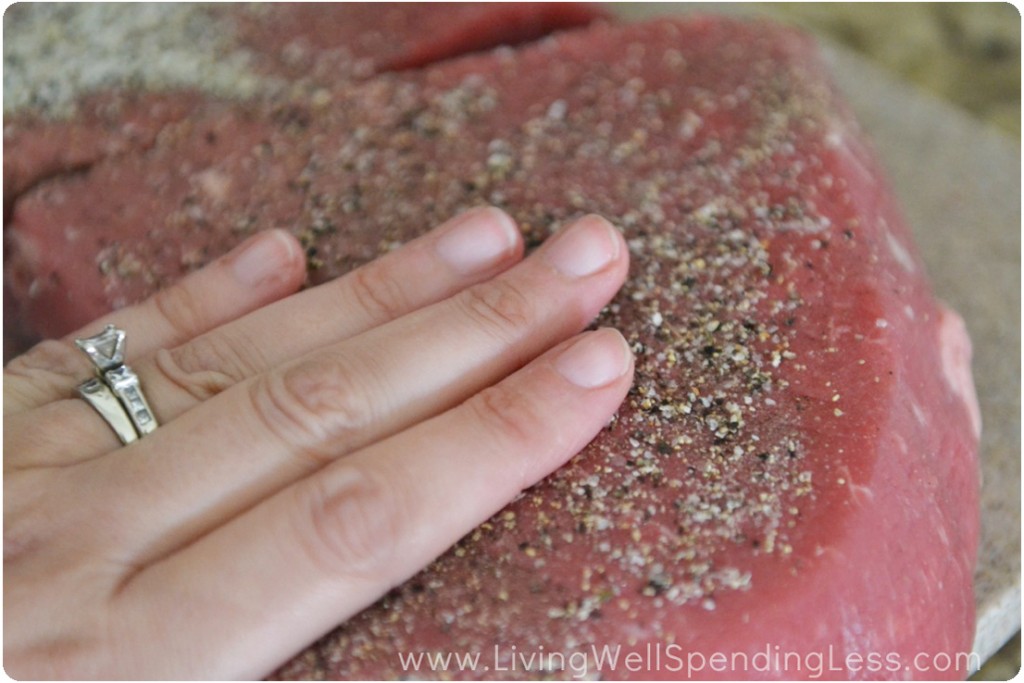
{"x":315,"y":449}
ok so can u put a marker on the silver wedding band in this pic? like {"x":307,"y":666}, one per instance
{"x":115,"y":393}
{"x":102,"y":399}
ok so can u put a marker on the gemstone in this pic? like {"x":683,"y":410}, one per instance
{"x":106,"y":349}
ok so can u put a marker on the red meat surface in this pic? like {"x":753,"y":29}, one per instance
{"x":330,"y":39}
{"x":307,"y":44}
{"x":791,"y":487}
{"x":333,"y":42}
{"x":108,"y":125}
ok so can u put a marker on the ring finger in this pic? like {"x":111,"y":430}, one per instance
{"x":39,"y":384}
{"x":472,"y":246}
{"x":262,"y":269}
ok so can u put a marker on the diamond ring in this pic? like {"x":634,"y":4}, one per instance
{"x":116,"y":381}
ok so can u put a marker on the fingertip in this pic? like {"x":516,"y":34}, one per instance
{"x":479,"y":240}
{"x":295,"y":265}
{"x":507,"y":225}
{"x":595,"y":359}
{"x":587,"y":246}
{"x":273,"y":258}
{"x":621,"y":257}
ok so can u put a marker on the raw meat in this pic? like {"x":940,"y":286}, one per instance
{"x":305,"y":43}
{"x":36,"y":149}
{"x":309,"y":45}
{"x":332,"y":39}
{"x":793,"y":481}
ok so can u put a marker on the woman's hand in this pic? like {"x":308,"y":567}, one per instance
{"x":316,"y":449}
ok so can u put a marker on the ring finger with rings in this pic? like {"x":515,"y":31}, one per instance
{"x":117,"y":381}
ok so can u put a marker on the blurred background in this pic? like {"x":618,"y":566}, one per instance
{"x":966,"y":53}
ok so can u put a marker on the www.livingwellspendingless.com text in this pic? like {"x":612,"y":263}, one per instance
{"x":672,"y":659}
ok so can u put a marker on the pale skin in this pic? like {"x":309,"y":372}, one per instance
{"x":315,"y":449}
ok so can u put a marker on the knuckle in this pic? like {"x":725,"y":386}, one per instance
{"x":33,"y":514}
{"x":352,"y":523}
{"x":57,"y":660}
{"x":22,"y":538}
{"x":313,"y":402}
{"x":181,"y":309}
{"x":52,"y":358}
{"x":501,"y":307}
{"x":507,"y":416}
{"x":50,"y":366}
{"x":377,"y":292}
{"x":203,"y":367}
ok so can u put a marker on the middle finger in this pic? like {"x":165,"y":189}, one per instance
{"x":265,"y":433}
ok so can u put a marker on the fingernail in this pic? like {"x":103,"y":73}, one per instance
{"x":586,"y":246}
{"x":595,"y":360}
{"x":478,"y":239}
{"x":262,"y":257}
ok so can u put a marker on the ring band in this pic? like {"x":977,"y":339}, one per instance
{"x":115,"y":381}
{"x":102,"y":399}
{"x":124,"y":384}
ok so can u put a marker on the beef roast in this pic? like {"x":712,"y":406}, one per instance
{"x":293,"y":46}
{"x":326,"y":41}
{"x":299,"y":42}
{"x":791,"y":487}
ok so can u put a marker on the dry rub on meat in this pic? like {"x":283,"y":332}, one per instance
{"x":795,"y":469}
{"x":290,"y":48}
